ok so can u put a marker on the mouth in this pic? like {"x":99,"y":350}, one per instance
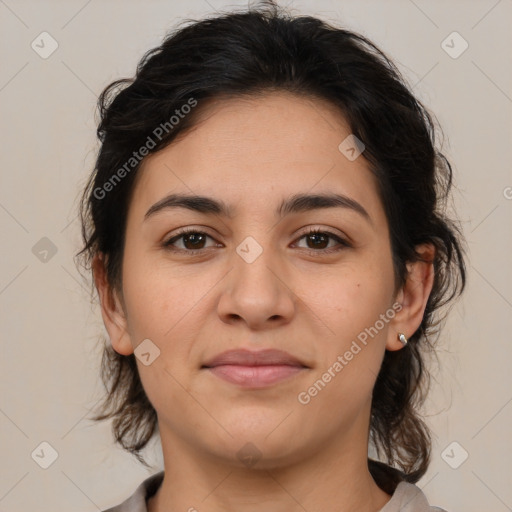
{"x":254,"y":369}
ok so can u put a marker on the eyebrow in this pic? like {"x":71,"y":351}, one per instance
{"x":297,"y":203}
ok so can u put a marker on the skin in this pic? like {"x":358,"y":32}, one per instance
{"x":252,"y":153}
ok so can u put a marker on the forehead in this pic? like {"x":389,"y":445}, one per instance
{"x":253,"y":149}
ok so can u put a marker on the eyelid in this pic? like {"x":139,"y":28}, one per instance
{"x":185,"y":231}
{"x":334,"y":232}
{"x":306,"y":231}
{"x":303,"y":231}
{"x":343,"y":241}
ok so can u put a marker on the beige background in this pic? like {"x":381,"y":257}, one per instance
{"x":49,"y":359}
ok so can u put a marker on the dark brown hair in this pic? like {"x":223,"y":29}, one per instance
{"x":252,"y":52}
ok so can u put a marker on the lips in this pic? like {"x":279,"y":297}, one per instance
{"x":254,"y":370}
{"x":267,"y":357}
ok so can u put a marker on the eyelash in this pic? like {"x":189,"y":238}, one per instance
{"x":316,"y":252}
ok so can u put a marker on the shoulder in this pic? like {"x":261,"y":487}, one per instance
{"x":405,"y":496}
{"x":409,"y":497}
{"x":137,"y":501}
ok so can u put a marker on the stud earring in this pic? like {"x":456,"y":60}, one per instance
{"x":402,"y":338}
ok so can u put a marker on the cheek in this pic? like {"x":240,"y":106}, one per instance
{"x":154,"y":294}
{"x":354,"y":298}
{"x":353,"y":305}
{"x":165,"y":305}
{"x":350,"y":358}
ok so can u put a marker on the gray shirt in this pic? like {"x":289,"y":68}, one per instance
{"x":407,"y":497}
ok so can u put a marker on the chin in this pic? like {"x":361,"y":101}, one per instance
{"x":260,"y":448}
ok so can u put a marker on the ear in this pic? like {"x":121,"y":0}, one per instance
{"x":413,"y":297}
{"x":114,"y":316}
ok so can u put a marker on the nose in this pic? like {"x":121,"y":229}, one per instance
{"x":257,"y":292}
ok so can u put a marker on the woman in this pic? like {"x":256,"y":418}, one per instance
{"x":266,"y":233}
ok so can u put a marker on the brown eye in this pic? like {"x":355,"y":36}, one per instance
{"x":317,"y":241}
{"x":192,"y":240}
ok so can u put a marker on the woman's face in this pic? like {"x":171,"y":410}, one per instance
{"x":258,"y":281}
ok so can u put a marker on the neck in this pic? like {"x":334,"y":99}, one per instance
{"x":332,"y":477}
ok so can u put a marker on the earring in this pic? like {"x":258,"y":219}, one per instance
{"x":402,"y":338}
